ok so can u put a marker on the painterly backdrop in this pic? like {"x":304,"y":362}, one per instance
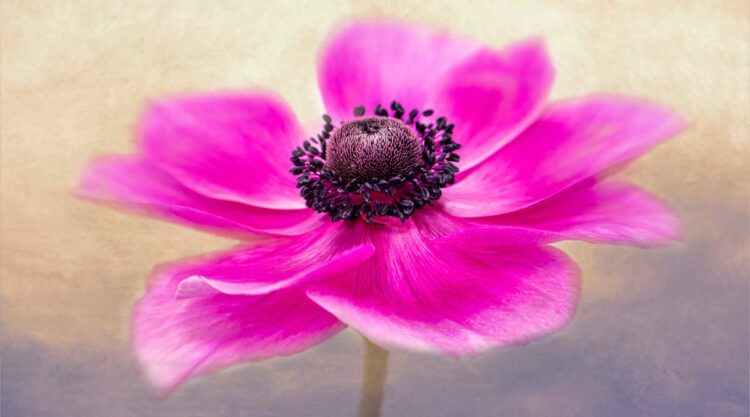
{"x":658,"y":333}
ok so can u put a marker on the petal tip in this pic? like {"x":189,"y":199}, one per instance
{"x":193,"y":286}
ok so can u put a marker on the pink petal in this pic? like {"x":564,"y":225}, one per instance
{"x":174,"y":340}
{"x":491,"y":97}
{"x":366,"y":63}
{"x":461,"y":294}
{"x":571,"y":142}
{"x":280,"y":263}
{"x":135,"y":183}
{"x":606,"y":212}
{"x":232,"y":147}
{"x":231,"y":278}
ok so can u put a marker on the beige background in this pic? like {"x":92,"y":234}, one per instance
{"x":658,"y":332}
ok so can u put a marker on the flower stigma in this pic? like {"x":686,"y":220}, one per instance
{"x":375,"y":167}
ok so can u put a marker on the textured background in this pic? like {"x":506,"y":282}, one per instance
{"x":658,"y":333}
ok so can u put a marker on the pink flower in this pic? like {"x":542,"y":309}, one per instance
{"x":418,"y":256}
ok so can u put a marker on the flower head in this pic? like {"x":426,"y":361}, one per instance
{"x":376,"y":222}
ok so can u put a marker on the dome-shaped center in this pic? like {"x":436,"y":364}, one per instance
{"x":373,"y":147}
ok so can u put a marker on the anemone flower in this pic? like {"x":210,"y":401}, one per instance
{"x":376,"y":222}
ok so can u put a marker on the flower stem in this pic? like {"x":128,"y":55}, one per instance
{"x":373,"y":379}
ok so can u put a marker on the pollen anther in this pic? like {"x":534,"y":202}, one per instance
{"x":376,"y":166}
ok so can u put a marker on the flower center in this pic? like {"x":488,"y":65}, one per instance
{"x":377,"y":167}
{"x":373,"y":148}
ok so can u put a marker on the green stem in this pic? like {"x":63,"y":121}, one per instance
{"x":373,"y":380}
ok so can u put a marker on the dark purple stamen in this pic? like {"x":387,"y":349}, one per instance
{"x":376,"y":166}
{"x":373,"y":147}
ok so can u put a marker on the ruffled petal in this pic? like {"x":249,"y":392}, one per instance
{"x":174,"y":340}
{"x":603,"y":213}
{"x":135,"y":183}
{"x":366,"y":63}
{"x":267,"y":267}
{"x":460,"y":294}
{"x":232,"y":147}
{"x":574,"y":140}
{"x":491,"y":97}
